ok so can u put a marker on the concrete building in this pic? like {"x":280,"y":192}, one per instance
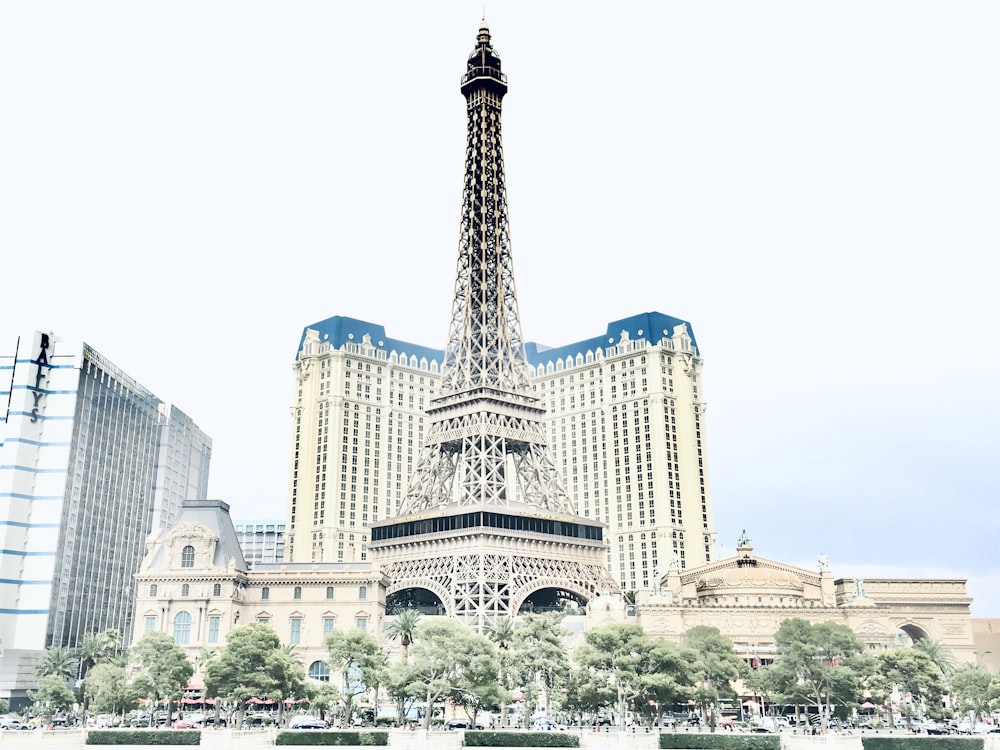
{"x":261,"y":541}
{"x":90,"y":461}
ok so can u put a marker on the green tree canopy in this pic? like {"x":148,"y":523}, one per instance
{"x":106,"y":689}
{"x":714,"y":667}
{"x":362,"y":664}
{"x":59,"y":661}
{"x":913,"y":672}
{"x":448,"y":658}
{"x":52,"y":695}
{"x":251,"y":664}
{"x":160,"y":668}
{"x":539,"y":657}
{"x":403,"y":628}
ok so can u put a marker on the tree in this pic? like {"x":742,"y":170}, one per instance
{"x":251,"y":664}
{"x":58,"y":661}
{"x":95,"y":648}
{"x":448,"y":658}
{"x":539,"y":656}
{"x":160,"y":668}
{"x":52,"y":695}
{"x":972,"y":688}
{"x":105,"y":688}
{"x":938,"y":653}
{"x":402,"y":629}
{"x":913,"y":672}
{"x":663,"y":681}
{"x":501,"y":632}
{"x":817,"y":663}
{"x":362,"y":664}
{"x":613,"y":654}
{"x":714,"y":667}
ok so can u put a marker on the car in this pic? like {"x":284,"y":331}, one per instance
{"x":466,"y":724}
{"x":760,"y":730}
{"x":14,"y":724}
{"x":307,"y":722}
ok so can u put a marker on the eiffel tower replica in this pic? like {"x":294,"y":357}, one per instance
{"x":486,"y":526}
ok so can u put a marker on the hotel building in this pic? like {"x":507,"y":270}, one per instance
{"x":625,"y":424}
{"x":90,"y":463}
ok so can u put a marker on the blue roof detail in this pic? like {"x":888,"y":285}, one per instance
{"x":339,"y":330}
{"x":651,"y":324}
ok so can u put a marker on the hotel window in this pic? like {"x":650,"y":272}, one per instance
{"x":362,"y":592}
{"x":296,"y":634}
{"x":329,"y":592}
{"x":297,"y":593}
{"x":150,"y":623}
{"x":182,"y":628}
{"x":213,"y":629}
{"x":361,"y":623}
{"x":217,"y":589}
{"x":327,"y":625}
{"x":185,"y":590}
{"x":152,"y":590}
{"x":265,"y":593}
{"x":187,"y":557}
{"x":264,"y":620}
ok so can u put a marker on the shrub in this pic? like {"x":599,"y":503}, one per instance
{"x":922,"y":743}
{"x":521,"y":739}
{"x":685,"y":741}
{"x":145,"y":737}
{"x":320,"y":737}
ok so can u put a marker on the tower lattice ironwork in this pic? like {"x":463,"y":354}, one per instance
{"x":486,"y":521}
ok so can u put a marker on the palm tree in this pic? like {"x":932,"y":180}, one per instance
{"x":940,"y":654}
{"x":96,"y":648}
{"x":501,"y":632}
{"x":403,"y":629}
{"x":59,"y":661}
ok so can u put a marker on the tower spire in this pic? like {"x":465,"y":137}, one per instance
{"x":485,"y":493}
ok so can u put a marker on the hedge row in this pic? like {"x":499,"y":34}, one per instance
{"x":923,"y":743}
{"x":684,"y":741}
{"x":143,"y":737}
{"x":320,"y":737}
{"x":521,"y":739}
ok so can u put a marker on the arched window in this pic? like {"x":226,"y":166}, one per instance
{"x":187,"y":557}
{"x":319,"y":671}
{"x":265,"y":593}
{"x":329,"y":592}
{"x":185,"y":589}
{"x":217,"y":589}
{"x":297,"y":594}
{"x":182,"y":628}
{"x":152,"y":589}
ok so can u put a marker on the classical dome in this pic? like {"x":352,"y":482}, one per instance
{"x":745,"y":580}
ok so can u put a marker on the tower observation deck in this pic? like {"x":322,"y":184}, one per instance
{"x":486,"y":526}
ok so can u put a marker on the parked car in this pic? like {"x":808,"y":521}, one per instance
{"x":14,"y":724}
{"x":760,"y":730}
{"x":307,"y":722}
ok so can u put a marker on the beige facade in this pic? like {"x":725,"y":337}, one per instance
{"x":747,"y":597}
{"x":194,"y":586}
{"x":625,"y":423}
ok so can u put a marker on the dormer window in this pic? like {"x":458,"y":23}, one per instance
{"x":187,"y":557}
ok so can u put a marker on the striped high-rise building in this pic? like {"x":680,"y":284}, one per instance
{"x":90,"y":463}
{"x":625,"y":420}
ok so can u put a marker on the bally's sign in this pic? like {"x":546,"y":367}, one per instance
{"x":42,"y":368}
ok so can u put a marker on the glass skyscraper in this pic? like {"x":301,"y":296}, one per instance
{"x":90,"y":463}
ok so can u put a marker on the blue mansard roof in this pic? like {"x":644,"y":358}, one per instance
{"x":652,"y":326}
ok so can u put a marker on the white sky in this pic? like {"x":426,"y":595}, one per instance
{"x":187,"y":185}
